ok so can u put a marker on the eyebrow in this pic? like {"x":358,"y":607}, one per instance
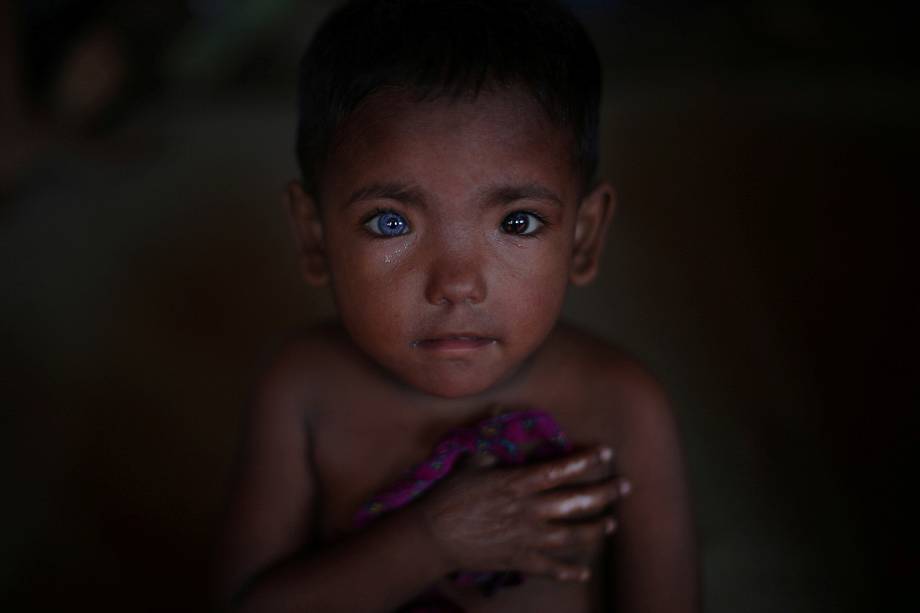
{"x":500,"y":195}
{"x":506,"y":194}
{"x":389,"y":191}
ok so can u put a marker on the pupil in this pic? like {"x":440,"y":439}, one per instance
{"x":391,"y":224}
{"x":516,"y":224}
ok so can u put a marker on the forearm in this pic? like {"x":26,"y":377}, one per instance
{"x":378,"y":569}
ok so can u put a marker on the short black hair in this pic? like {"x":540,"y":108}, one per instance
{"x":447,"y":48}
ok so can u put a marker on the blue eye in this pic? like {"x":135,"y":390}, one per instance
{"x":387,"y":223}
{"x":521,"y":223}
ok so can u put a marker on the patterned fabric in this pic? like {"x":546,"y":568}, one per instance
{"x":513,"y":438}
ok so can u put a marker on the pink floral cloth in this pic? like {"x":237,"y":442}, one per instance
{"x":513,"y":438}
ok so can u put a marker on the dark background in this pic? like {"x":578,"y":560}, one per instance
{"x":764,"y":154}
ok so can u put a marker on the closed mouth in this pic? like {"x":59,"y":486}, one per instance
{"x":455,"y":342}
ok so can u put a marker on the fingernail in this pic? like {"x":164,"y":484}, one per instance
{"x":625,"y":487}
{"x":606,"y":454}
{"x":584,"y":575}
{"x":610,"y":526}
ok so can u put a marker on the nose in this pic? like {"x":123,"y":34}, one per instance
{"x":456,"y":278}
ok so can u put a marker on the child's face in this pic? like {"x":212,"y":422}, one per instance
{"x":449,"y":235}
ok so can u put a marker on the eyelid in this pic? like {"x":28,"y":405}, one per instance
{"x":541,"y":218}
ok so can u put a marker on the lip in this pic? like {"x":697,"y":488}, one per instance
{"x":464,"y":342}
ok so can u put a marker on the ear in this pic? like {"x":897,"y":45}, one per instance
{"x":591,"y":223}
{"x":308,"y":232}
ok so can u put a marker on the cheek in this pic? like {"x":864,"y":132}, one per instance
{"x":531,"y":285}
{"x":372,"y":290}
{"x":358,"y":264}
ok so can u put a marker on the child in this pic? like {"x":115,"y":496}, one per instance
{"x":448,"y":444}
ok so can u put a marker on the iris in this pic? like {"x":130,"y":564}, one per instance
{"x":387,"y":223}
{"x":521,"y":223}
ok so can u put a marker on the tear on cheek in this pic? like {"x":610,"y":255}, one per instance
{"x":394,"y":255}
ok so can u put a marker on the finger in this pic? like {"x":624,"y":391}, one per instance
{"x":577,"y":536}
{"x":557,"y":472}
{"x":541,"y":564}
{"x":581,"y":501}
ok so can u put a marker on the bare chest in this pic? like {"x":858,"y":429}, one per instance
{"x":361,"y":451}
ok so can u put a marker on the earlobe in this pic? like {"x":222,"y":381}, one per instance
{"x":307,"y":225}
{"x":591,"y":224}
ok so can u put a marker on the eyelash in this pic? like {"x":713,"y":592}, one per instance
{"x":543,"y":221}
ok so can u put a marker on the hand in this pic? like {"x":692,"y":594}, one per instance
{"x":523,"y":518}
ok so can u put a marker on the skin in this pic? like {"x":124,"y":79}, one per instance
{"x":442,"y":325}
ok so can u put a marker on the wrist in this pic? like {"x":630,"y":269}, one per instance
{"x":425,"y":534}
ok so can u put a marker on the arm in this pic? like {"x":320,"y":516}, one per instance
{"x":655,"y":557}
{"x":376,"y":570}
{"x":267,"y":559}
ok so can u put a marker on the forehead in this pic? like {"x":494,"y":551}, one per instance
{"x":451,"y":145}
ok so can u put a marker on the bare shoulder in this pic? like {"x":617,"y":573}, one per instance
{"x":304,"y":367}
{"x":619,"y":399}
{"x":606,"y":371}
